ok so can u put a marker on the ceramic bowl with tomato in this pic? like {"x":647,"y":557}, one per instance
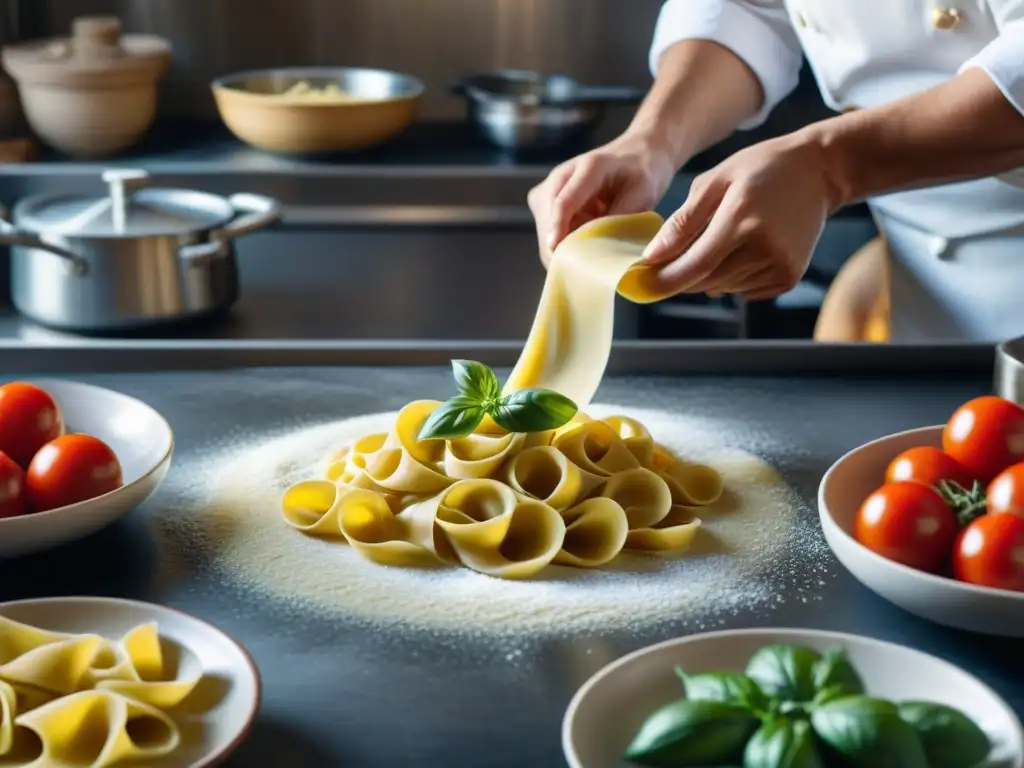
{"x":93,"y":458}
{"x":916,"y":576}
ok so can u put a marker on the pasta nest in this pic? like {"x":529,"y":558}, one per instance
{"x":505,"y":504}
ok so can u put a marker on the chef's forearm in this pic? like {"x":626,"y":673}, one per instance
{"x":702,"y":92}
{"x":963,"y":129}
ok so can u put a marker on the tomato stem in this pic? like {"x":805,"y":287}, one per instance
{"x":968,"y":505}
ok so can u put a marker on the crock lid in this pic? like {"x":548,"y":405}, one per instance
{"x":96,"y":55}
{"x":126,"y":211}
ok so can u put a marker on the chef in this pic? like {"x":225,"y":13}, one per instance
{"x":930,"y":132}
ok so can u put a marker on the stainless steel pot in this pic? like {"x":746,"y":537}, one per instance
{"x":522,"y":110}
{"x":1009,"y":372}
{"x":137,"y":257}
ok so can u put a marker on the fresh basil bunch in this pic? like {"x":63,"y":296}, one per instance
{"x":796,"y":708}
{"x":524,"y":410}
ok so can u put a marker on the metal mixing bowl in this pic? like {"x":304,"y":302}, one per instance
{"x":522,"y":110}
{"x":378,"y":105}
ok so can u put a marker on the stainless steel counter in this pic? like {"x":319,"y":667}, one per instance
{"x":339,"y":694}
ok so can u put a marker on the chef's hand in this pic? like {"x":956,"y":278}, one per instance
{"x":749,"y":225}
{"x":628,"y":175}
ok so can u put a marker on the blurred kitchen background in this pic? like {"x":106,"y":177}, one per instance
{"x":426,"y":236}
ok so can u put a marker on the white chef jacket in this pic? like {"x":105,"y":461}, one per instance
{"x":950,"y":243}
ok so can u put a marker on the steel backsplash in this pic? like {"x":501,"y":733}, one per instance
{"x":601,"y":41}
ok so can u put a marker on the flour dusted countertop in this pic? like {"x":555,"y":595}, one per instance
{"x":358,"y":692}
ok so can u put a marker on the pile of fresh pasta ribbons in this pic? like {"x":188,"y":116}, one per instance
{"x":505,"y":504}
{"x":83,"y":700}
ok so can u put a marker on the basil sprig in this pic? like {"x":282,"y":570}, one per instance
{"x":524,"y":410}
{"x":782,"y":742}
{"x":796,"y":708}
{"x":729,"y":687}
{"x":950,"y":738}
{"x":700,"y":732}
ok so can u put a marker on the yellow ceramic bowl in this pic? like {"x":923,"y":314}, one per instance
{"x":316,"y":110}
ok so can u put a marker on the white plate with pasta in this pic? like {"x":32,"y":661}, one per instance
{"x":90,"y":682}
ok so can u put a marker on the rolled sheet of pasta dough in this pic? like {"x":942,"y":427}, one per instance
{"x":571,"y":338}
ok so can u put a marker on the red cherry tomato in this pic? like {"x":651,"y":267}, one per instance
{"x":1006,"y":492}
{"x":927,"y":464}
{"x":29,"y":418}
{"x":907,"y":522}
{"x":12,"y":487}
{"x":986,"y":435}
{"x":990,"y":552}
{"x":70,"y":469}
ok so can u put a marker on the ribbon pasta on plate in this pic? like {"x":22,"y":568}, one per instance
{"x":505,"y":504}
{"x":84,"y":701}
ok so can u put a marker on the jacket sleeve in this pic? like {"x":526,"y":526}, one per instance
{"x":1003,"y":61}
{"x":758,"y":31}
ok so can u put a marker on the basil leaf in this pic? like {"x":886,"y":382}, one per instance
{"x":834,"y":670}
{"x":782,"y":743}
{"x":452,"y":419}
{"x":829,"y":693}
{"x":784,"y":671}
{"x":950,"y":738}
{"x":533,"y":410}
{"x":868,"y":733}
{"x":693,"y":733}
{"x":475,"y":381}
{"x":729,"y":687}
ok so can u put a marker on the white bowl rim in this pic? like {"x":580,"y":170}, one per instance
{"x":220,"y":755}
{"x":820,"y":634}
{"x":906,"y":570}
{"x":42,"y":384}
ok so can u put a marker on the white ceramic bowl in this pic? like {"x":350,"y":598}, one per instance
{"x":143,"y":442}
{"x":218,"y":714}
{"x":937,"y":598}
{"x":608,"y":710}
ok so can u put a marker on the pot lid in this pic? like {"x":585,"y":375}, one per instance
{"x":96,"y":54}
{"x":127,"y":210}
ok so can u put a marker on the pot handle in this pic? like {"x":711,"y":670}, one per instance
{"x":254,"y":212}
{"x":201,"y":254}
{"x":11,"y":235}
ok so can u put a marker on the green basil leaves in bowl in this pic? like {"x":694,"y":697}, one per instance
{"x":788,"y":698}
{"x":479,"y":395}
{"x":796,"y":708}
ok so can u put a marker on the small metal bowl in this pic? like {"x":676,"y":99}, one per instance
{"x":374,"y":105}
{"x":1009,"y":371}
{"x":523,"y":110}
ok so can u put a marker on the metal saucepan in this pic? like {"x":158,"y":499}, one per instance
{"x":316,"y":110}
{"x":522,"y":110}
{"x":134,"y":258}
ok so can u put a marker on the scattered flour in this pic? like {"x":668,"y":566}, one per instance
{"x":753,"y":546}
